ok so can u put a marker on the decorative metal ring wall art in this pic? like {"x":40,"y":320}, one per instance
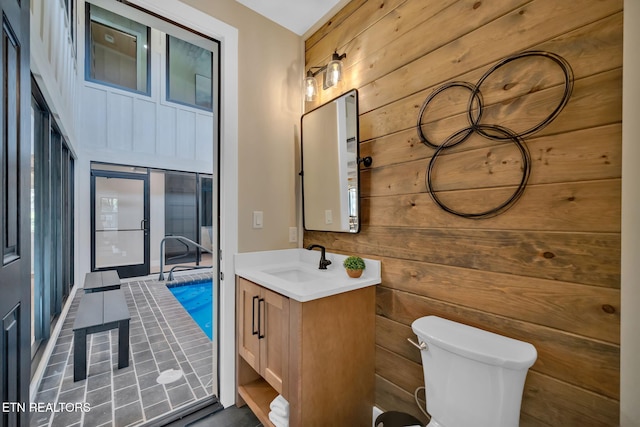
{"x":493,"y":132}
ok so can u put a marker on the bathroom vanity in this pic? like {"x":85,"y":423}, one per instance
{"x":307,"y":334}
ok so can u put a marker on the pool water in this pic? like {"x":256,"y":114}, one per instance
{"x":197,"y":299}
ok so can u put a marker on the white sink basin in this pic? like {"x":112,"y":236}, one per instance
{"x":295,"y":273}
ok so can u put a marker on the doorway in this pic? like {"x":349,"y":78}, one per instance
{"x":134,"y":208}
{"x":120,"y":221}
{"x":15,"y":253}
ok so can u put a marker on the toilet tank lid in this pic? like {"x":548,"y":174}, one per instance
{"x":474,"y":343}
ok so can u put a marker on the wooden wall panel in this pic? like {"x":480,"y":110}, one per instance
{"x":393,"y":335}
{"x":559,"y":404}
{"x":408,"y":378}
{"x":390,"y":397}
{"x":585,"y":310}
{"x":334,"y":22}
{"x":402,"y":47}
{"x":546,"y":271}
{"x":597,"y":157}
{"x":596,"y":96}
{"x":589,"y":258}
{"x":590,"y":50}
{"x":598,"y":150}
{"x":530,"y":25}
{"x":368,"y":15}
{"x":557,"y":350}
{"x":583,"y":206}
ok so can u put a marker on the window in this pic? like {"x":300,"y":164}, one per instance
{"x":117,"y":50}
{"x":189,"y":74}
{"x":52,"y":219}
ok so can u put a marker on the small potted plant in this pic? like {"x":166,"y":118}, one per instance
{"x":354,"y":266}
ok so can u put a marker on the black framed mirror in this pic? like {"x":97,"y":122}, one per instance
{"x":330,"y":170}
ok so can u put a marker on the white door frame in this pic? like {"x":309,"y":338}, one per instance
{"x":227,"y":173}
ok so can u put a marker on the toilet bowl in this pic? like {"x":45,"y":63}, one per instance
{"x":472,"y":377}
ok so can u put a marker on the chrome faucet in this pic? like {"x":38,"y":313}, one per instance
{"x":323,"y":261}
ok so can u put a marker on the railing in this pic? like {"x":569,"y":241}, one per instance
{"x":183,"y":240}
{"x":185,"y":267}
{"x":185,"y":254}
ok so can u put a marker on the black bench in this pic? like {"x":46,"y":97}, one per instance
{"x":98,"y":312}
{"x":99,"y":281}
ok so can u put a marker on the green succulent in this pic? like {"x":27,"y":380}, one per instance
{"x":354,"y":263}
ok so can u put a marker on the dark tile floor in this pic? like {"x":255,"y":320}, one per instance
{"x":163,"y":336}
{"x":229,"y":417}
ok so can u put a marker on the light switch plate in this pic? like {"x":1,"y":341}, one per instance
{"x":258,"y":219}
{"x":293,"y":234}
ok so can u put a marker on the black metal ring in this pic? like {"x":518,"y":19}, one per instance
{"x":498,"y":133}
{"x":568,"y":88}
{"x":526,"y":162}
{"x":475,"y":94}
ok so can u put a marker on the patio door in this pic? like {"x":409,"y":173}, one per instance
{"x":120,"y":222}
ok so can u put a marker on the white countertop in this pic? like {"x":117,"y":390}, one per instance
{"x":294,"y":273}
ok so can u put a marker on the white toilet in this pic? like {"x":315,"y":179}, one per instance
{"x":473,"y":378}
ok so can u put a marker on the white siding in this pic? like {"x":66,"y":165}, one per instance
{"x":127,"y":127}
{"x":53,"y":63}
{"x":144,"y":135}
{"x":95,"y":123}
{"x":120,"y":117}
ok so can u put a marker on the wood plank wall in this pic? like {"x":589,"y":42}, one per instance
{"x":547,"y":271}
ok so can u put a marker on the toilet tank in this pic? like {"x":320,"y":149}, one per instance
{"x":472,"y":377}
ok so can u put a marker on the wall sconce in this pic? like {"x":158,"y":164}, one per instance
{"x":332,"y":75}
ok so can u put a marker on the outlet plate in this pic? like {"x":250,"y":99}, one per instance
{"x":328,"y":216}
{"x":293,"y":234}
{"x":376,"y":412}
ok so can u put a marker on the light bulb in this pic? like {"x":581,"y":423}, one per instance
{"x":310,"y":88}
{"x":334,"y":73}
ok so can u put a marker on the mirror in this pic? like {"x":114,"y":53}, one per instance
{"x":330,"y":173}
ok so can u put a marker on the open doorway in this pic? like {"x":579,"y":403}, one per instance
{"x":224,"y":167}
{"x":174,"y":326}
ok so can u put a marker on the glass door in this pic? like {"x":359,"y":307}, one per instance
{"x":120,"y":222}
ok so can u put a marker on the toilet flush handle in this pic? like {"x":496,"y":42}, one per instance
{"x":421,"y":346}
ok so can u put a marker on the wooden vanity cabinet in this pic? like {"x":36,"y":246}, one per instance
{"x":318,"y":354}
{"x":263,"y":338}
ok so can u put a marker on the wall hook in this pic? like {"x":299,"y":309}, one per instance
{"x":368,"y":161}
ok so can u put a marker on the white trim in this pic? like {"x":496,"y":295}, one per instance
{"x":630,"y":236}
{"x":228,"y":37}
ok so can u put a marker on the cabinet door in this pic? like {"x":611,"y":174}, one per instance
{"x":248,"y":343}
{"x":274,"y":345}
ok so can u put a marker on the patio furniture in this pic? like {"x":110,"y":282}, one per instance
{"x":99,"y":281}
{"x":100,"y":311}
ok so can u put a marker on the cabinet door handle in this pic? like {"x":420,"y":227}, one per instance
{"x":254,"y":331}
{"x":260,"y":317}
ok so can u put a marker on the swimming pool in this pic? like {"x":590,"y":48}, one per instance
{"x":197,"y":299}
